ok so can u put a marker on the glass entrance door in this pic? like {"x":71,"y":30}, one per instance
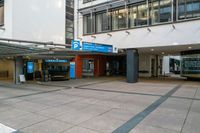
{"x":88,"y":67}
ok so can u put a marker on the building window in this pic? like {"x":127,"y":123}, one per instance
{"x":119,"y":19}
{"x":88,"y":24}
{"x":161,"y":11}
{"x":133,"y":16}
{"x":155,"y":12}
{"x":102,"y":22}
{"x":142,"y":15}
{"x":1,"y":12}
{"x":188,"y":9}
{"x":86,"y":1}
{"x":115,"y":20}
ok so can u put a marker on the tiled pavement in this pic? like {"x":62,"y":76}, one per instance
{"x":101,"y":105}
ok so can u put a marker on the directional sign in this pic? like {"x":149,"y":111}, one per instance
{"x":97,"y":47}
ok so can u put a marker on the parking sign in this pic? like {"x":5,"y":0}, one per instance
{"x":76,"y":45}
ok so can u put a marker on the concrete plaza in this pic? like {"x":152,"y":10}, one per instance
{"x":102,"y":105}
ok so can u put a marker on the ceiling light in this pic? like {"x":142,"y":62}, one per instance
{"x":189,"y":47}
{"x":163,"y":52}
{"x":152,"y":49}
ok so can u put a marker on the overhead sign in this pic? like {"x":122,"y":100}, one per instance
{"x":56,"y":61}
{"x":76,"y":45}
{"x":95,"y":47}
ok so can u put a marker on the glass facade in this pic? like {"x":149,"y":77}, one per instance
{"x":141,"y":14}
{"x":191,"y":65}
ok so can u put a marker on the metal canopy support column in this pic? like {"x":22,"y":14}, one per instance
{"x":18,"y":68}
{"x":132,"y":65}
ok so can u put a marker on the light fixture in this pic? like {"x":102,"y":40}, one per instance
{"x":163,"y":53}
{"x":152,"y":49}
{"x":1,"y":28}
{"x":175,"y":43}
{"x":149,"y":29}
{"x":173,"y":26}
{"x":189,"y":47}
{"x":93,"y":36}
{"x":109,"y":34}
{"x":127,"y":32}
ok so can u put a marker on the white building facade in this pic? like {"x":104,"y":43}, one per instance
{"x":155,"y":28}
{"x":33,"y":20}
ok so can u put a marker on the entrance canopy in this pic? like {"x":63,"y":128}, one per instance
{"x":10,"y":48}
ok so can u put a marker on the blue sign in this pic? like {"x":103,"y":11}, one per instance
{"x":97,"y":47}
{"x":56,"y":61}
{"x":72,"y":70}
{"x":30,"y":67}
{"x":76,"y":45}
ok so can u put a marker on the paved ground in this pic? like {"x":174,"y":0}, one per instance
{"x":102,"y":105}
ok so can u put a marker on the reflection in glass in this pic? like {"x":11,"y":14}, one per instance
{"x":133,"y":16}
{"x":165,"y":10}
{"x":115,"y":20}
{"x":142,"y":15}
{"x":155,"y":12}
{"x":122,"y":18}
{"x":188,"y":9}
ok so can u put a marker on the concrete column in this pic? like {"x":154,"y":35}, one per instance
{"x":18,"y":68}
{"x":132,"y":57}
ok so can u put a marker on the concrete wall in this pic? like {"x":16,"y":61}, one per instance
{"x":37,"y":20}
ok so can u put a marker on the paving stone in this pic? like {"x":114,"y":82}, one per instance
{"x":151,"y":129}
{"x":48,"y":126}
{"x":77,"y":129}
{"x":24,"y":121}
{"x":102,"y":124}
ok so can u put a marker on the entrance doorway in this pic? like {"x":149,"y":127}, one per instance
{"x":88,"y":68}
{"x":153,"y":67}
